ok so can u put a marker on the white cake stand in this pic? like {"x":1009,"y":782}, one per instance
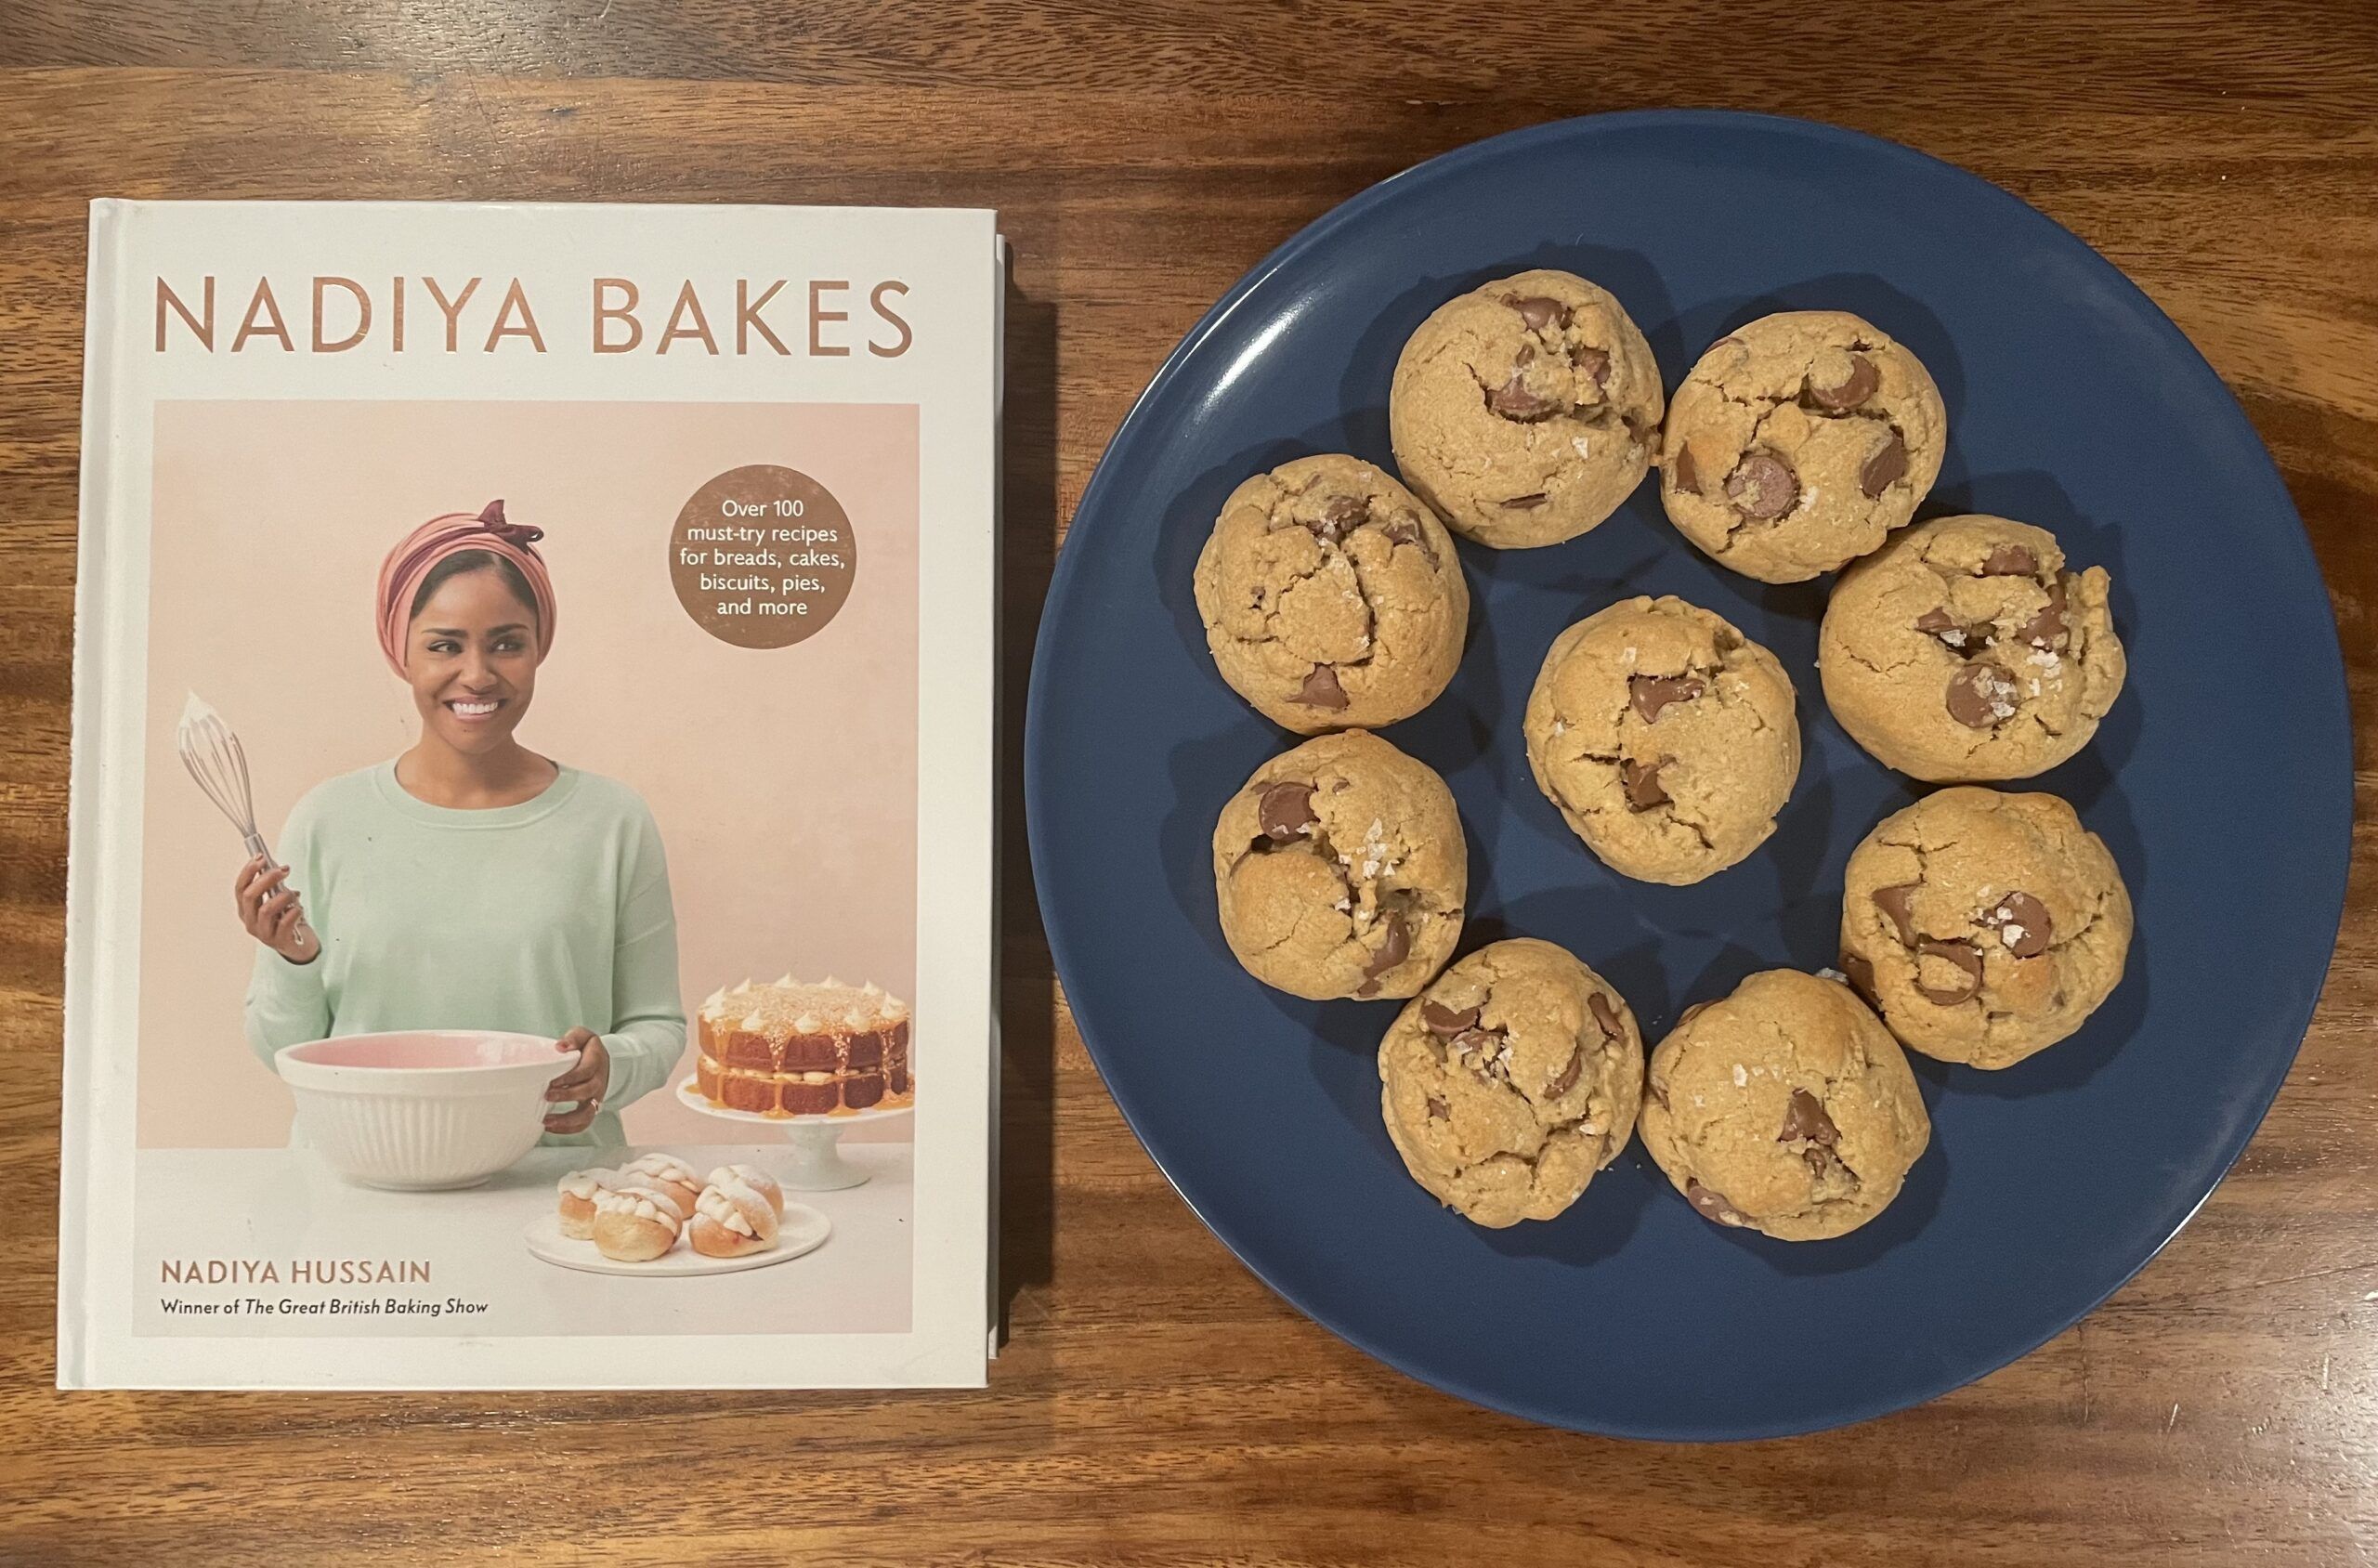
{"x":817,"y":1165}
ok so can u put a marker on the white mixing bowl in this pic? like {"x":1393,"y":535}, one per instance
{"x":422,"y":1109}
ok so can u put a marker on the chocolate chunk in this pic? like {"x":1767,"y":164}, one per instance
{"x":1966,"y":957}
{"x":1863,"y":379}
{"x":1980,"y":695}
{"x":1568,"y":1078}
{"x":1513,"y":400}
{"x":1341,"y":515}
{"x":1884,"y":467}
{"x":1897,"y":903}
{"x":2023,"y":925}
{"x":1403,"y":531}
{"x":1539,"y":312}
{"x":1687,"y":476}
{"x":1651,"y":693}
{"x":1286,"y":811}
{"x":1393,"y":950}
{"x":1480,"y":1043}
{"x":1942,"y":624}
{"x":1438,"y":1109}
{"x":2010,"y":560}
{"x":1763,"y":486}
{"x":1527,"y":502}
{"x":1605,"y":1015}
{"x":1321,"y":689}
{"x":1712,"y":1204}
{"x":2045,"y":630}
{"x":1860,"y":976}
{"x":1443,"y":1022}
{"x":1641,"y":782}
{"x":1591,"y":363}
{"x":1807,"y":1118}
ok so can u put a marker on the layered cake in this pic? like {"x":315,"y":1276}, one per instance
{"x":791,"y":1049}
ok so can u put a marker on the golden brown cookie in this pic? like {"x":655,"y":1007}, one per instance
{"x":1666,"y":737}
{"x":1332,"y":598}
{"x":1984,"y":926}
{"x":1798,"y":443}
{"x":1340,"y":870}
{"x":1785,"y":1107}
{"x":1964,"y":650}
{"x":1525,"y":410}
{"x":1511,"y":1081}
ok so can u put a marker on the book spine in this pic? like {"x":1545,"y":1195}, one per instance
{"x":103,"y":325}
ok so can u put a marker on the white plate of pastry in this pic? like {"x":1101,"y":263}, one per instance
{"x":656,"y":1216}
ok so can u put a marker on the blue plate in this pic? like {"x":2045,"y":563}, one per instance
{"x":2222,"y":781}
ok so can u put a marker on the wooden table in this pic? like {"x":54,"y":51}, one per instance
{"x":1156,"y":1403}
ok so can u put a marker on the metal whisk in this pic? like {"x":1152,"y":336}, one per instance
{"x":213,"y":755}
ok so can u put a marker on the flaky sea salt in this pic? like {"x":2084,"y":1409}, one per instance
{"x":1742,"y":1076}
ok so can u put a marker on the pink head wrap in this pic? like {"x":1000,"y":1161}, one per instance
{"x":410,"y":562}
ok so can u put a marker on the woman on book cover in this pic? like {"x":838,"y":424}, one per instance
{"x":470,"y":883}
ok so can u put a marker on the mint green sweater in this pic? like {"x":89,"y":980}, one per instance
{"x":535,"y":918}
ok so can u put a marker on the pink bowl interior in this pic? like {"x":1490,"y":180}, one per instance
{"x":430,"y":1048}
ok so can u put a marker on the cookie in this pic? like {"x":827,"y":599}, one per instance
{"x":1511,"y":1081}
{"x":1984,"y":926}
{"x":1525,"y":410}
{"x":1340,"y":870}
{"x":1331,"y":596}
{"x":1666,"y":737}
{"x":1785,"y":1107}
{"x":1797,"y":444}
{"x":1964,"y":650}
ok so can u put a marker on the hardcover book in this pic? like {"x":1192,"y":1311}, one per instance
{"x":529,"y":905}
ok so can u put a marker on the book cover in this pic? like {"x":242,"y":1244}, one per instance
{"x":529,"y":908}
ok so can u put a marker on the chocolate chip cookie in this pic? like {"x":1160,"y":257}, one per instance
{"x":1965,"y":649}
{"x":1984,"y":926}
{"x":1331,"y":596}
{"x":1798,"y":443}
{"x":1340,"y":870}
{"x":1511,"y":1081}
{"x":1666,"y":737}
{"x":1785,"y":1107}
{"x":1526,"y":411}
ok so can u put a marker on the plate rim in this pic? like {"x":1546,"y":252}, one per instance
{"x":2336,"y":764}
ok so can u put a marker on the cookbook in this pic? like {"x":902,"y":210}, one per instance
{"x":529,"y":899}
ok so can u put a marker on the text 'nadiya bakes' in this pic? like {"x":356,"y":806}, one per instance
{"x":816,"y":318}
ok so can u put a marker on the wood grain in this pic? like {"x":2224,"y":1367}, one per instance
{"x":1155,"y":1404}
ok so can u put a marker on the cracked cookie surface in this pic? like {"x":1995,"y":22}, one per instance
{"x":1510,"y":1081}
{"x":1785,"y":1107}
{"x":1331,"y":596}
{"x":1966,"y":650}
{"x":1666,"y":737}
{"x":1340,"y":870}
{"x":1798,"y":442}
{"x":1984,"y":926}
{"x":1525,"y":410}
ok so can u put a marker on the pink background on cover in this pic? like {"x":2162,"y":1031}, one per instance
{"x":783,"y":780}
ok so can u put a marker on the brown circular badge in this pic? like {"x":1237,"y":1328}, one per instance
{"x":762,"y":556}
